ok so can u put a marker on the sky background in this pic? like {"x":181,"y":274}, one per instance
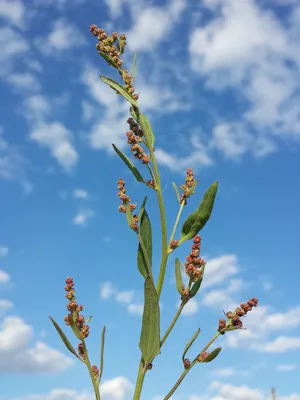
{"x":219,"y":80}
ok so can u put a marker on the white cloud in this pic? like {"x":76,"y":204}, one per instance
{"x":62,"y":37}
{"x":222,"y":298}
{"x":4,"y":277}
{"x":125,"y":297}
{"x":24,"y":81}
{"x":136,"y":308}
{"x":116,"y":388}
{"x":80,"y":194}
{"x":83,"y":216}
{"x":282,"y":344}
{"x":58,"y":139}
{"x":246,"y":48}
{"x":16,"y":355}
{"x":36,"y":108}
{"x":286,"y":367}
{"x":3,"y":249}
{"x":12,"y":45}
{"x":5,"y":305}
{"x":13,"y":11}
{"x":153,"y":25}
{"x":13,"y":165}
{"x":219,"y":269}
{"x":231,"y":392}
{"x":190,"y":308}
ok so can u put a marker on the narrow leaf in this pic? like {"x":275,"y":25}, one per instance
{"x":64,"y":338}
{"x":102,"y":353}
{"x":133,"y":113}
{"x":129,"y":216}
{"x":150,"y":334}
{"x":197,"y":219}
{"x":196,"y":286}
{"x":187,"y":347}
{"x":147,"y":130}
{"x":179,"y":284}
{"x":74,"y":327}
{"x":176,"y":191}
{"x":212,"y":355}
{"x":109,"y":60}
{"x":119,"y":88}
{"x":142,"y":209}
{"x":146,"y":236}
{"x":129,"y":164}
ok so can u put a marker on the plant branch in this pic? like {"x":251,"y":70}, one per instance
{"x":89,"y":367}
{"x":173,"y":322}
{"x":176,"y":224}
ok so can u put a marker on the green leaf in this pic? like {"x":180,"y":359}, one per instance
{"x":212,"y":355}
{"x":109,"y":60}
{"x":187,"y":347}
{"x":179,"y":284}
{"x":147,"y":130}
{"x":129,"y":164}
{"x":176,"y":191}
{"x":74,"y":327}
{"x":102,"y":353}
{"x":129,"y":216}
{"x":64,"y":338}
{"x":133,"y":113}
{"x":133,"y":69}
{"x":146,"y":236}
{"x":150,"y":334}
{"x":195,"y":288}
{"x":197,"y":219}
{"x":142,"y":209}
{"x":119,"y":88}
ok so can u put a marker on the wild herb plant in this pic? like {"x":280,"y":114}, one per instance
{"x":141,"y":139}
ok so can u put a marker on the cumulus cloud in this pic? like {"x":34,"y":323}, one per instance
{"x":80,"y":194}
{"x":17,"y":356}
{"x":83,"y":216}
{"x":4,"y":277}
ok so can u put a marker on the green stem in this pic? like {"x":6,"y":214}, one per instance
{"x":163,"y":222}
{"x":89,"y":367}
{"x":174,"y":320}
{"x":139,"y":382}
{"x":186,"y":371}
{"x":176,"y":224}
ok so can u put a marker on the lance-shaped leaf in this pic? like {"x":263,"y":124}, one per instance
{"x":102,"y":353}
{"x":120,"y":89}
{"x":196,"y":286}
{"x":129,"y":164}
{"x":64,"y":338}
{"x":196,"y":221}
{"x":211,"y":356}
{"x":179,"y":284}
{"x":150,"y":334}
{"x":142,"y":209}
{"x":187,"y":347}
{"x":144,"y":261}
{"x":74,"y":327}
{"x":109,"y":60}
{"x":176,"y":191}
{"x":134,"y":113}
{"x":147,"y":130}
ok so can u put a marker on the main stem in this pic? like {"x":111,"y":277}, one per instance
{"x":88,"y":364}
{"x":139,"y":382}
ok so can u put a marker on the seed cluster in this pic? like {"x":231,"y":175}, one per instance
{"x":134,"y":137}
{"x":173,"y":244}
{"x":113,"y":46}
{"x":189,"y":183}
{"x":95,"y":371}
{"x":75,"y":309}
{"x":202,"y":356}
{"x":125,"y":199}
{"x":234,"y":318}
{"x":194,"y":262}
{"x":186,"y":363}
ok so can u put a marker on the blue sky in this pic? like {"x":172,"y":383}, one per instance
{"x":219,"y":80}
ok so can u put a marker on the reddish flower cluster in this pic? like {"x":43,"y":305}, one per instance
{"x":106,"y":43}
{"x":150,"y":366}
{"x":75,"y":309}
{"x":95,"y":371}
{"x":202,"y":356}
{"x":234,"y":318}
{"x":134,"y":137}
{"x":189,"y":183}
{"x":194,"y":262}
{"x":81,"y":351}
{"x":186,"y":363}
{"x":126,"y":199}
{"x":173,"y":244}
